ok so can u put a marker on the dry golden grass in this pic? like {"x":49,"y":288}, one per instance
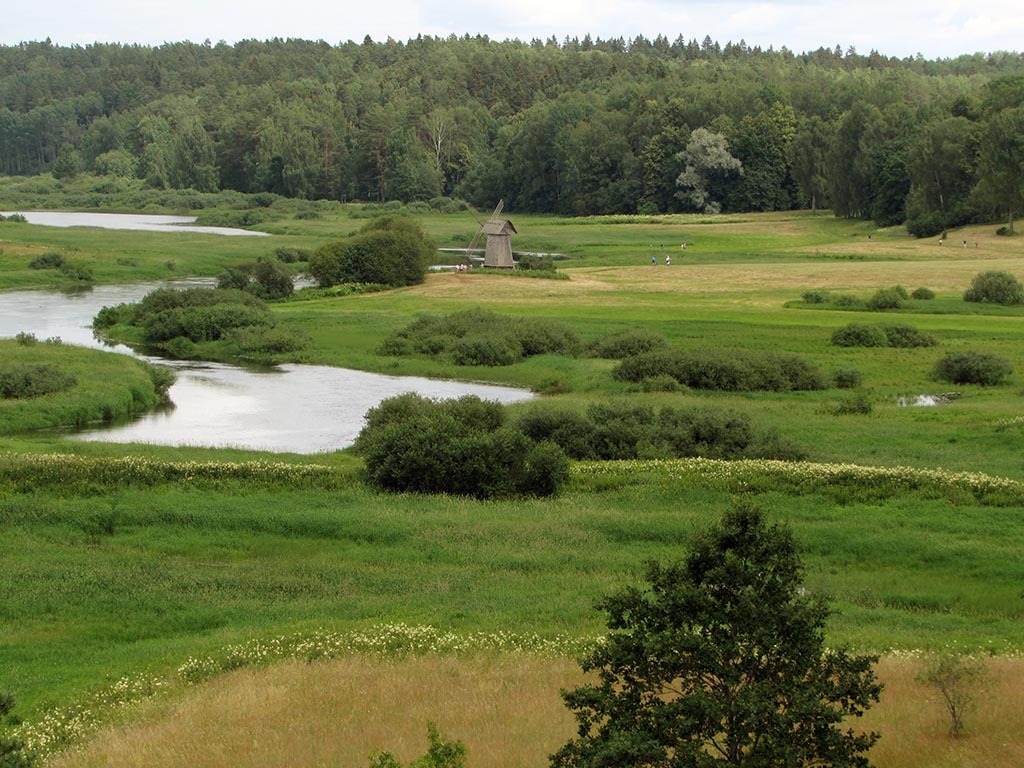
{"x":505,"y":709}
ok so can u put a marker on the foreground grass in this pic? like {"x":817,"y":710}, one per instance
{"x":505,"y":708}
{"x":104,"y":582}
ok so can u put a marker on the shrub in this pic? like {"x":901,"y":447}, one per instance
{"x":887,"y":298}
{"x":26,"y":339}
{"x":625,"y":344}
{"x":462,"y":447}
{"x":530,"y":262}
{"x":995,"y":288}
{"x":480,"y":337}
{"x":571,"y":430}
{"x":272,"y":279}
{"x":265,"y":342}
{"x":618,"y":430}
{"x":725,"y":370}
{"x":926,"y":225}
{"x":859,"y":335}
{"x":847,"y":300}
{"x":486,"y":350}
{"x":21,"y":381}
{"x":392,"y":250}
{"x":291,"y":255}
{"x":972,"y":368}
{"x":906,"y":336}
{"x":847,"y":378}
{"x":923,"y":294}
{"x":49,"y":260}
{"x":816,"y":297}
{"x":857,"y":403}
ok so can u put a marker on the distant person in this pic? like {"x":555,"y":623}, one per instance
{"x":683,"y":246}
{"x":668,"y":261}
{"x":965,"y":243}
{"x":654,"y":260}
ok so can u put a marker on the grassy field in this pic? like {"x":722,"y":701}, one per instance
{"x":102,"y":579}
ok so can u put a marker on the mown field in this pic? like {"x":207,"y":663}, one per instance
{"x":105,"y":577}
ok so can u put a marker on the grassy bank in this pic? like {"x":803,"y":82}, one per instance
{"x":100,"y":387}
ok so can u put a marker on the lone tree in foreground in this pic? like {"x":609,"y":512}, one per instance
{"x":721,"y":662}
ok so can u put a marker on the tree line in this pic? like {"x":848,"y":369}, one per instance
{"x":574,"y":127}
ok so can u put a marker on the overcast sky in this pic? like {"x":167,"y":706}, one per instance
{"x":933,"y":28}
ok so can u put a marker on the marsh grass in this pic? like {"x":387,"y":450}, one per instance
{"x":505,"y":708}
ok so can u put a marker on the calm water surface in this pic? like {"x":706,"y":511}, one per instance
{"x":137,"y":221}
{"x":290,"y":408}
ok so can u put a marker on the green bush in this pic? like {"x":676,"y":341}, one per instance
{"x":486,"y":350}
{"x":887,"y":298}
{"x":847,"y":300}
{"x":923,"y":294}
{"x":926,"y":225}
{"x":724,"y":370}
{"x":857,"y":403}
{"x":859,"y":335}
{"x":539,"y":263}
{"x":972,"y":368}
{"x":625,"y":344}
{"x":816,"y":297}
{"x":995,"y":287}
{"x":49,"y":260}
{"x":906,"y":336}
{"x":288,"y":255}
{"x":847,"y":378}
{"x":462,"y":447}
{"x":625,"y":431}
{"x":22,"y":381}
{"x":392,"y":250}
{"x":481,"y":337}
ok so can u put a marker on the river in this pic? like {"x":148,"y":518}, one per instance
{"x":304,"y":409}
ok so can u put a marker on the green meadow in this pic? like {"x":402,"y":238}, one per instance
{"x":113,"y":574}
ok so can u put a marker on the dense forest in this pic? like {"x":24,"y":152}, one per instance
{"x":574,"y":127}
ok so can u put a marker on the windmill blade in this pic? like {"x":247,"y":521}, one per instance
{"x":498,"y":209}
{"x":476,"y":214}
{"x":472,"y":244}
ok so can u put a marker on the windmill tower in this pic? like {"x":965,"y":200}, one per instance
{"x":498,"y":253}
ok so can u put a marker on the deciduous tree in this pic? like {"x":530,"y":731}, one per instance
{"x":721,"y":662}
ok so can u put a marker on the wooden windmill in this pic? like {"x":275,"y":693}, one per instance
{"x":498,"y":253}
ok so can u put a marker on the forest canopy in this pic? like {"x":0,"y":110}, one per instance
{"x":574,"y":127}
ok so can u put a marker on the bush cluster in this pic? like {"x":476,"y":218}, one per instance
{"x":972,"y":368}
{"x":623,"y":431}
{"x":622,"y":345}
{"x":266,"y":278}
{"x":885,"y":335}
{"x":847,"y":378}
{"x":888,"y":298}
{"x":178,"y":320}
{"x":20,"y":381}
{"x":923,"y":294}
{"x":538,"y":263}
{"x":726,"y":370}
{"x":392,"y":250}
{"x":481,"y":337}
{"x":462,"y":447}
{"x":995,"y":288}
{"x":49,"y":260}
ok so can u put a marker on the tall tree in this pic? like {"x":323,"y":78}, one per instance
{"x":706,"y":160}
{"x":721,"y":661}
{"x":1001,"y":176}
